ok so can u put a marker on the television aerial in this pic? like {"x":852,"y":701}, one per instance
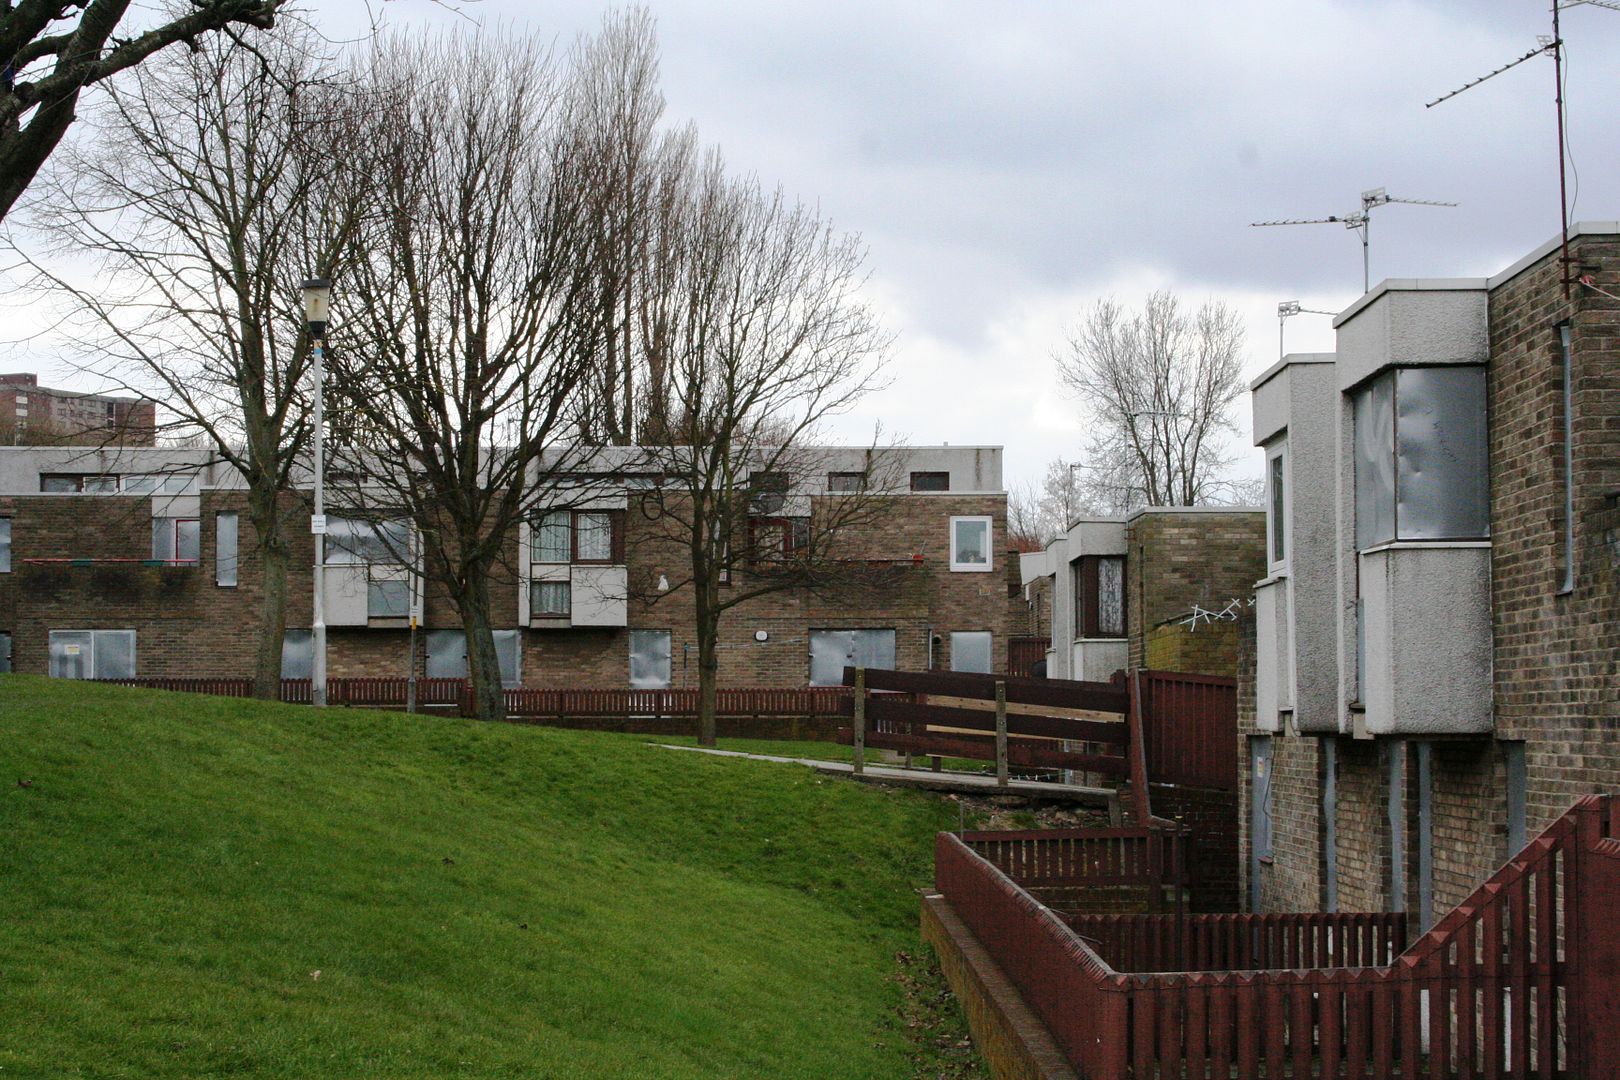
{"x":1360,"y":220}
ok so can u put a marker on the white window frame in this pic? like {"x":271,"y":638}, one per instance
{"x":988,"y":566}
{"x":1276,"y":508}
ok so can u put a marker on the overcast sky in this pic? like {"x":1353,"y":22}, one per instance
{"x":1008,"y":164}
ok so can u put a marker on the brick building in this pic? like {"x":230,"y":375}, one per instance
{"x":136,"y":561}
{"x":1165,"y":588}
{"x":32,"y":414}
{"x":1437,"y":641}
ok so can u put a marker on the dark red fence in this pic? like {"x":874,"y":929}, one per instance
{"x":391,"y":693}
{"x":1189,"y":729}
{"x":1023,"y":653}
{"x":1518,"y":981}
{"x":1067,"y":869}
{"x":766,"y":701}
{"x":1242,"y":942}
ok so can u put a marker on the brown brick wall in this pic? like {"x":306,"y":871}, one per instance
{"x":1177,"y":560}
{"x":187,"y":625}
{"x":1557,"y":659}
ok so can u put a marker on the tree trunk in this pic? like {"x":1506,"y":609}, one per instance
{"x":271,"y":546}
{"x":708,"y":681}
{"x":483,"y":665}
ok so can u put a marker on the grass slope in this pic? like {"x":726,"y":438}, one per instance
{"x":476,"y":899}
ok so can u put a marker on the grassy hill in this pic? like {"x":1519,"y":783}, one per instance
{"x":196,"y":886}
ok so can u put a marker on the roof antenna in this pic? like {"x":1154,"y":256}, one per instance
{"x":1286,"y":310}
{"x":1359,"y":220}
{"x":1546,"y":46}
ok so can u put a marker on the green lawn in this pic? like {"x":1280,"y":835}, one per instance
{"x":195,"y":886}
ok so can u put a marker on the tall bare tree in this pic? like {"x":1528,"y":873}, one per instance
{"x":617,"y":105}
{"x":50,"y":50}
{"x":467,"y":314}
{"x":766,"y":338}
{"x":1160,"y":384}
{"x":206,"y":196}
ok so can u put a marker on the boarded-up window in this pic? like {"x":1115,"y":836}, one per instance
{"x":297,"y":654}
{"x":447,"y":655}
{"x":225,"y":548}
{"x":5,"y":545}
{"x":92,"y":654}
{"x":389,"y":598}
{"x":833,"y":650}
{"x":970,"y":651}
{"x":649,"y":659}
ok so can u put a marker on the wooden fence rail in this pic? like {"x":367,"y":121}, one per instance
{"x":1518,"y":981}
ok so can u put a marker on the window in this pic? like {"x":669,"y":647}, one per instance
{"x":549,"y":599}
{"x":580,"y":536}
{"x":92,"y":654}
{"x":176,"y":540}
{"x":970,"y":651}
{"x":930,"y":481}
{"x":768,"y":491}
{"x":593,"y":536}
{"x":5,"y":652}
{"x":553,"y":537}
{"x":5,"y":545}
{"x":831,"y":651}
{"x":225,"y":549}
{"x":298,"y":654}
{"x":352,"y":542}
{"x":388,"y":598}
{"x":1277,"y":505}
{"x":1099,"y":596}
{"x":846,"y":482}
{"x":649,"y":659}
{"x":447,"y":655}
{"x":71,"y":483}
{"x":970,"y":544}
{"x":1420,"y":456}
{"x":776,"y":539}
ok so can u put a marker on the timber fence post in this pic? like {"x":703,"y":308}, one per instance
{"x":1001,"y":733}
{"x":860,"y":720}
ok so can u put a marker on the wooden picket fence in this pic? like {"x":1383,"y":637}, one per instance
{"x":1518,"y":981}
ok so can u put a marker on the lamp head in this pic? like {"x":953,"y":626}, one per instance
{"x":317,"y":298}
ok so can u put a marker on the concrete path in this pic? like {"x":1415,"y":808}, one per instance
{"x":959,"y":782}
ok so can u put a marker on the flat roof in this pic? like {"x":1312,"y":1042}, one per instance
{"x":1288,"y":361}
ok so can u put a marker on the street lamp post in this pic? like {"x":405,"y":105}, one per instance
{"x":317,"y":295}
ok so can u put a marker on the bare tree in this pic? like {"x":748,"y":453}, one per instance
{"x":465,"y":320}
{"x":617,"y":106}
{"x":205,"y":197}
{"x":766,"y":339}
{"x":1160,"y":384}
{"x":50,"y":50}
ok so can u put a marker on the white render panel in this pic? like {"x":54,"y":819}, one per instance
{"x":1411,"y":327}
{"x":1269,"y":659}
{"x":346,"y":599}
{"x":1096,"y":659}
{"x":600,"y":596}
{"x":1427,"y":639}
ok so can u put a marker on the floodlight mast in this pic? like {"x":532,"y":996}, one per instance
{"x":1360,"y":220}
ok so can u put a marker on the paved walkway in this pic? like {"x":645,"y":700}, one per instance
{"x":960,"y":782}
